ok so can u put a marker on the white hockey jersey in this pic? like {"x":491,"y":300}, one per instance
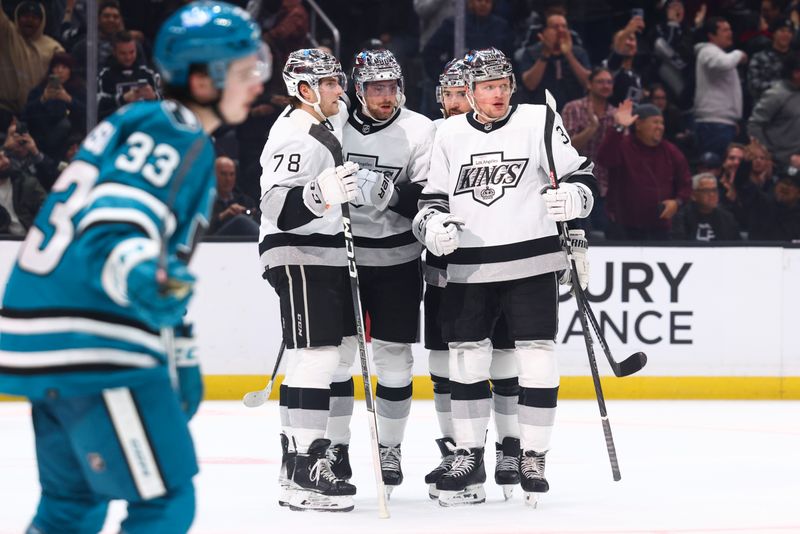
{"x":492,"y":175}
{"x":400,"y":148}
{"x":298,"y":149}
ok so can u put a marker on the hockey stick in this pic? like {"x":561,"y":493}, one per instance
{"x":165,"y":285}
{"x":632,"y":364}
{"x":587,"y":336}
{"x":383,"y":506}
{"x":257,"y":398}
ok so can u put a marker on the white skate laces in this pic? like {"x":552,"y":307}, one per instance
{"x":463,"y":463}
{"x":507,"y":463}
{"x":390,"y":458}
{"x":533,"y":466}
{"x":322,"y":467}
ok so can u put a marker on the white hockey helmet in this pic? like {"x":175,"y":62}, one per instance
{"x":453,"y":75}
{"x":488,"y":64}
{"x":309,"y":65}
{"x":376,"y":66}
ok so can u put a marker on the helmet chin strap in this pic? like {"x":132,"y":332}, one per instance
{"x":314,"y":105}
{"x":401,"y":99}
{"x":474,"y":106}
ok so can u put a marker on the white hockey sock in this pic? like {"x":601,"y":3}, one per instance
{"x":470,"y":396}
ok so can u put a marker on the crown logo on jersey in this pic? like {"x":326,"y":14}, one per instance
{"x":488,"y":175}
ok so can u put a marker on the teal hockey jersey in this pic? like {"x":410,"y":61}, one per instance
{"x":67,"y":326}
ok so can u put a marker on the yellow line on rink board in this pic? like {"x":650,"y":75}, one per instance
{"x":233,"y":387}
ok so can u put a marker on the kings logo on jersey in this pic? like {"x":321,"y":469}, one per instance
{"x":371,"y":162}
{"x":488,"y":175}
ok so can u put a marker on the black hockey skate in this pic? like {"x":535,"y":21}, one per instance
{"x":339,"y":456}
{"x":463,"y":483}
{"x":284,"y":477}
{"x":446,"y":448}
{"x":318,"y":488}
{"x":506,"y":469}
{"x":533,"y":481}
{"x":390,"y":468}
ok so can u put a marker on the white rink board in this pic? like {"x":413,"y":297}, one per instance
{"x":694,"y":311}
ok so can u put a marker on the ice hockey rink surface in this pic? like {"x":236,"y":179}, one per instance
{"x":687,"y":467}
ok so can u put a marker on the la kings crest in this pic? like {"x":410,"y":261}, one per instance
{"x":488,"y":175}
{"x":366,"y":161}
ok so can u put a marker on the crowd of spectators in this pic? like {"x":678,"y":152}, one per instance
{"x":689,"y":109}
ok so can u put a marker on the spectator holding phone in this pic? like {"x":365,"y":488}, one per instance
{"x":126,"y":78}
{"x":21,"y":197}
{"x":26,"y":158}
{"x":57,"y":107}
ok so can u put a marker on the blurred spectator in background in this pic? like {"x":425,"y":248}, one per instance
{"x":773,"y":216}
{"x":648,"y":177}
{"x":702,"y":219}
{"x":109,"y":24}
{"x":25,"y":54}
{"x":718,"y":94}
{"x":125,"y":78}
{"x":761,"y":166}
{"x":21,"y":196}
{"x":625,"y":64}
{"x":671,"y":43}
{"x":708,"y":162}
{"x":554,"y":63}
{"x":481,"y":30}
{"x":26,"y":158}
{"x":587,"y":120}
{"x":675,"y":130}
{"x":775,"y":121}
{"x":285,"y":27}
{"x":794,"y":164}
{"x":431,"y":14}
{"x":57,"y":107}
{"x":766,"y":67}
{"x":233,"y":213}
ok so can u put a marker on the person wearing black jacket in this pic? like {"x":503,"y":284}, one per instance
{"x":703,"y":219}
{"x":126,"y":78}
{"x":21,"y":196}
{"x":57,"y":106}
{"x":774,"y":216}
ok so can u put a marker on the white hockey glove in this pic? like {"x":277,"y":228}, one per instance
{"x":374,"y":189}
{"x":579,"y":244}
{"x":569,"y":201}
{"x":333,"y":186}
{"x":441,"y":233}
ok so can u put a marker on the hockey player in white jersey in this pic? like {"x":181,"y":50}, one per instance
{"x":451,"y":94}
{"x":304,"y":181}
{"x":391,"y":145}
{"x":104,"y":268}
{"x":488,"y":207}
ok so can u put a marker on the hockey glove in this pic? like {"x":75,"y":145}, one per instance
{"x":441,"y":233}
{"x":334,"y":186}
{"x":160,"y":305}
{"x":189,"y":378}
{"x":569,"y":201}
{"x":374,"y":189}
{"x":579,"y":244}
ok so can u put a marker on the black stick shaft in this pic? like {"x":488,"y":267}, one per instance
{"x":576,"y":289}
{"x":383,"y":507}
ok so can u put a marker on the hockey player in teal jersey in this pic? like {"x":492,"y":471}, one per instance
{"x":93,"y":286}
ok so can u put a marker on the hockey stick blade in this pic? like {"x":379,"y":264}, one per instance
{"x":630,"y":365}
{"x":254,"y":399}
